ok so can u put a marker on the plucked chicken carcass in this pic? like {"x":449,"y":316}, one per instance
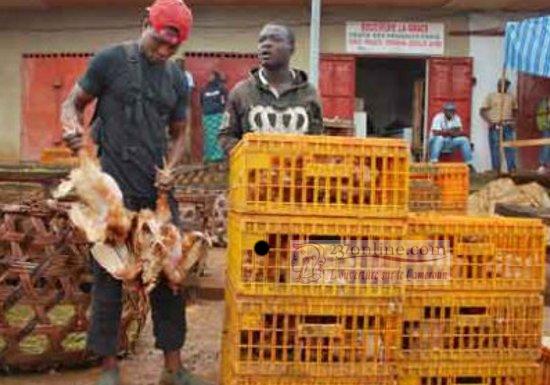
{"x":162,"y":248}
{"x":100,"y":212}
{"x":125,"y":243}
{"x":158,"y":243}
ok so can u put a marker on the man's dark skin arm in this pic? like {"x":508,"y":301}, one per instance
{"x":230,"y":131}
{"x":484,"y":112}
{"x":456,"y":132}
{"x":440,"y":133}
{"x":72,"y":117}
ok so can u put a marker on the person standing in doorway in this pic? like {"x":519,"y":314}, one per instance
{"x":543,"y":124}
{"x":213,"y":100}
{"x":499,"y":110}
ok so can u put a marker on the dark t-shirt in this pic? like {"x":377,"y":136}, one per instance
{"x":106,"y":65}
{"x":213,"y":99}
{"x":133,"y":114}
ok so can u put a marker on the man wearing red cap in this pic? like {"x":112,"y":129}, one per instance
{"x":140,"y":93}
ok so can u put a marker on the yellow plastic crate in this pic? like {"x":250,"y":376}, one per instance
{"x":471,"y":326}
{"x":545,"y":365}
{"x":230,"y":378}
{"x":487,"y":253}
{"x":310,"y":337}
{"x":319,"y":175}
{"x":442,"y":187}
{"x":387,"y":375}
{"x":478,"y":372}
{"x":280,"y":273}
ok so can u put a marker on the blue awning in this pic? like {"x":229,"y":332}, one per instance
{"x":527,"y":46}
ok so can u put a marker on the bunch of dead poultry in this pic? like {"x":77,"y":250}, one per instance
{"x":131,"y":246}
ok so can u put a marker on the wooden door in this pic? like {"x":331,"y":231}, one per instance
{"x":47,"y":80}
{"x":450,"y":79}
{"x":337,"y":86}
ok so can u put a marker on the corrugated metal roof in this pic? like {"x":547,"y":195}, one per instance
{"x":458,"y":5}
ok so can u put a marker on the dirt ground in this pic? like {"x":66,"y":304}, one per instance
{"x":201,"y":354}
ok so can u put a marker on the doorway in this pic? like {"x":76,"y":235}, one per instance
{"x":391,"y":93}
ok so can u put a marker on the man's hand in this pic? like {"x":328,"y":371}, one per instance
{"x":72,"y":130}
{"x":72,"y":118}
{"x":74,"y":141}
{"x":174,"y":277}
{"x":165,"y":179}
{"x":128,"y":273}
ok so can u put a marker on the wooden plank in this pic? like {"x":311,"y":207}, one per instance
{"x":529,"y":177}
{"x":520,"y":211}
{"x":527,"y":142}
{"x":418,"y":112}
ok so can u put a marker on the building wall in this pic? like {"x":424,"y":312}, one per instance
{"x":488,"y":55}
{"x":216,"y":29}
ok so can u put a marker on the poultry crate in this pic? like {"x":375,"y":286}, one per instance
{"x":466,"y":326}
{"x":230,"y":378}
{"x":545,"y":361}
{"x":309,"y":256}
{"x":310,"y":337}
{"x":45,"y":292}
{"x":487,"y":253}
{"x":442,"y":187}
{"x":471,"y":373}
{"x":319,"y":175}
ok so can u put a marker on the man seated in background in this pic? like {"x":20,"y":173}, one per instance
{"x":447,"y":134}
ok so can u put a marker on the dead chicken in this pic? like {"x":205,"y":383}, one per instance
{"x":125,"y":243}
{"x":161,"y":248}
{"x":100,"y":212}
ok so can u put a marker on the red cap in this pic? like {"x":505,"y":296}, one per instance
{"x":166,"y":14}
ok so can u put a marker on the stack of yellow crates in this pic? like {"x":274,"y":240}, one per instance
{"x":545,"y":364}
{"x":483,"y":324}
{"x":441,"y":187}
{"x":297,"y":313}
{"x":303,"y":305}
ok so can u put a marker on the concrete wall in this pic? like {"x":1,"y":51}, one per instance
{"x":488,"y":54}
{"x":216,"y":29}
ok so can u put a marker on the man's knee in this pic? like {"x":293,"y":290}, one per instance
{"x":436,"y":140}
{"x":461,"y":141}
